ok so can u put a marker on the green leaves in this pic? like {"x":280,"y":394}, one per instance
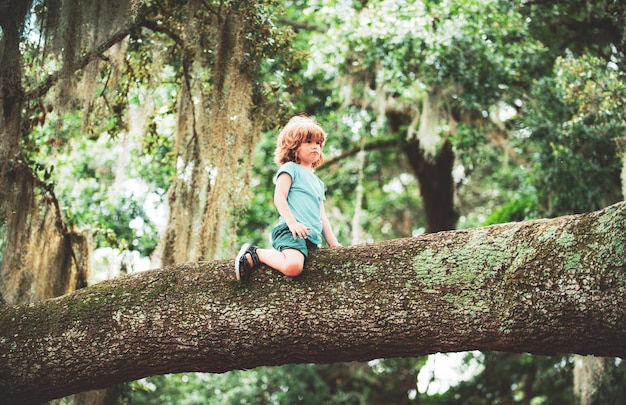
{"x":577,"y":124}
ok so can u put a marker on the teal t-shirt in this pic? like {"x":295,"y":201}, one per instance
{"x":304,"y":198}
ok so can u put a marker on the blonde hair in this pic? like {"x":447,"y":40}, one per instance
{"x":299,"y":129}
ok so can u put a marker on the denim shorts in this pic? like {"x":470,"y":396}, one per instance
{"x":282,"y":239}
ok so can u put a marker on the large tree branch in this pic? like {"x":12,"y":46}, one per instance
{"x":544,"y":287}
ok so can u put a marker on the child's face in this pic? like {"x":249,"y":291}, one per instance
{"x":309,"y":152}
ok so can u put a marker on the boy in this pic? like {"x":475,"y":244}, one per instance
{"x":299,"y":199}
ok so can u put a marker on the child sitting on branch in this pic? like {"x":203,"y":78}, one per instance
{"x":299,"y":198}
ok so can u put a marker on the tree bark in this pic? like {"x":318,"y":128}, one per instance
{"x":11,"y":100}
{"x":544,"y":287}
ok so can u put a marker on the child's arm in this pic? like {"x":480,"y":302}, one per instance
{"x":327,"y":229}
{"x":283,"y":184}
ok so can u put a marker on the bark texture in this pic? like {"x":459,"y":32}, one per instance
{"x":543,"y":287}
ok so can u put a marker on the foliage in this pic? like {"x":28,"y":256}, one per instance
{"x":576,"y":126}
{"x":106,"y":193}
{"x":381,"y":381}
{"x":578,"y":26}
{"x":513,"y":211}
{"x":509,"y":378}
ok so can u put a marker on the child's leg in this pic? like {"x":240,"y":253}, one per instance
{"x":290,"y":262}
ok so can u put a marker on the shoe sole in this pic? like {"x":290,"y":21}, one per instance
{"x":241,"y":253}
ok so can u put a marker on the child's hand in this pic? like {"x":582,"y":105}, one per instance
{"x":299,"y":230}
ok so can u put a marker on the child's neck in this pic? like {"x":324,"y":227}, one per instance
{"x":309,"y":166}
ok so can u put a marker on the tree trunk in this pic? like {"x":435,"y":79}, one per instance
{"x":434,"y":174}
{"x":11,"y":93}
{"x":213,"y":138}
{"x":592,"y":375}
{"x":11,"y":101}
{"x":41,"y":257}
{"x":436,"y":185}
{"x":545,"y":287}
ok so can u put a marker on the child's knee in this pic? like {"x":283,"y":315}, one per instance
{"x":292,"y":269}
{"x":294,"y":262}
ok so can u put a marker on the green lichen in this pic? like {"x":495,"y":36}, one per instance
{"x":572,"y":262}
{"x":469,"y":301}
{"x":612,"y":252}
{"x":523,"y":255}
{"x":463,"y":267}
{"x":453,"y":299}
{"x":424,"y":263}
{"x":609,"y":217}
{"x":467,"y":265}
{"x":547,"y":234}
{"x":565,"y":240}
{"x":159,"y":289}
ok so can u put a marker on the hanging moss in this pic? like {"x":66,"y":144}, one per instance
{"x":43,"y":258}
{"x":215,"y":137}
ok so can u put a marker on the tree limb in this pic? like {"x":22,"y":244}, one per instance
{"x":543,"y":287}
{"x":370,"y":144}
